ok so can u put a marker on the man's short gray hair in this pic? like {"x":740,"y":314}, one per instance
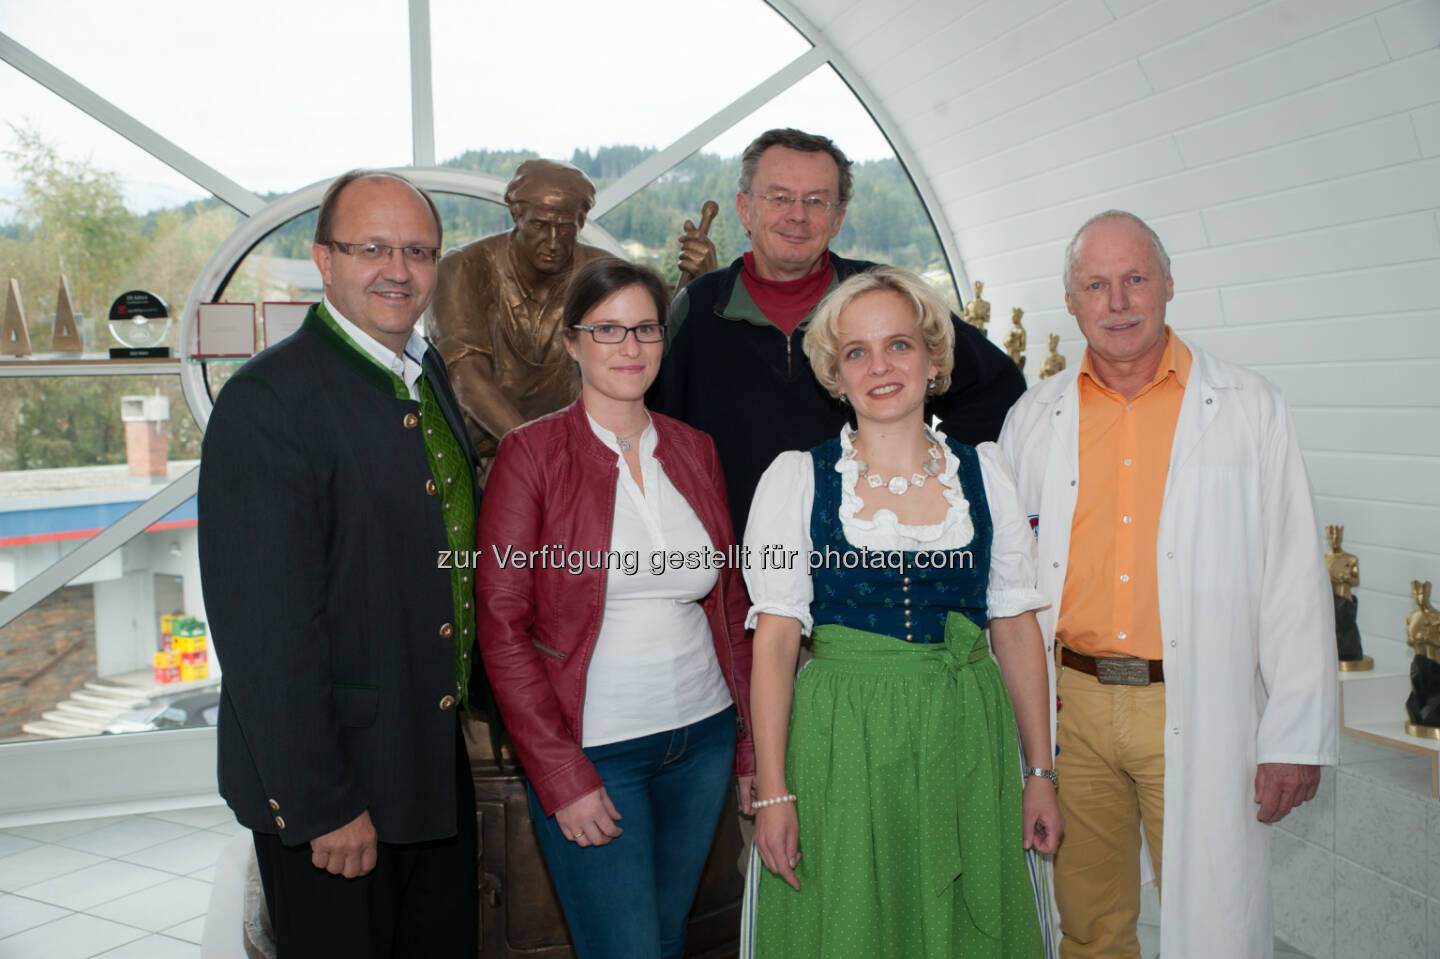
{"x":792,"y":139}
{"x":1160,"y":253}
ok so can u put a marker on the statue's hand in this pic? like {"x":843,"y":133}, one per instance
{"x":697,"y":253}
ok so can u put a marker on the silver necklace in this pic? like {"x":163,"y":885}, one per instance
{"x":624,"y":441}
{"x":899,"y":485}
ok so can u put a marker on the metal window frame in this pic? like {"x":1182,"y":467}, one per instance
{"x":173,"y":769}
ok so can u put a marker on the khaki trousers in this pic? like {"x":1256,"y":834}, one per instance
{"x":1111,"y":763}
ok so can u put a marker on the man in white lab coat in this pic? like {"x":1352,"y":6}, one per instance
{"x":1178,"y":542}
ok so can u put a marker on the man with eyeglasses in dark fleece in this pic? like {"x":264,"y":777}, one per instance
{"x":734,"y":366}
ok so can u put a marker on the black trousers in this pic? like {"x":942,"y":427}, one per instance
{"x":419,"y":900}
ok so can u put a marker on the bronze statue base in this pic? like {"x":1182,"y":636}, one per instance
{"x":1356,"y":665}
{"x":1421,"y":732}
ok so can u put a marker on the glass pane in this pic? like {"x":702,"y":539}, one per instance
{"x":649,"y":222}
{"x":592,"y":82}
{"x":78,"y":200}
{"x":280,"y":267}
{"x":273,"y":94}
{"x":61,"y":422}
{"x":122,"y":646}
{"x":145,"y":183}
{"x":885,"y":221}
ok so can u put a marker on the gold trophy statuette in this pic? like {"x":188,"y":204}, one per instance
{"x":1344,"y":571}
{"x":1422,"y":634}
{"x":977,"y":311}
{"x":1053,"y":362}
{"x":1015,"y":339}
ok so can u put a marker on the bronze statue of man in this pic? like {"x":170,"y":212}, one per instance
{"x":496,"y":315}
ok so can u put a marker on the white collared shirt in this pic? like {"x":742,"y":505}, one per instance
{"x":408,"y":367}
{"x":654,"y":667}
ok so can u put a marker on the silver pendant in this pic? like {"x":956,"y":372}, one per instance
{"x":898,"y":485}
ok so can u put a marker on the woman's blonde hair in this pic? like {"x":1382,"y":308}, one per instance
{"x":936,"y":328}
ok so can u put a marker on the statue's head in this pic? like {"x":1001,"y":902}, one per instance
{"x":1420,"y":590}
{"x":1015,"y":314}
{"x":979,"y":285}
{"x":1054,"y":340}
{"x":548,"y":201}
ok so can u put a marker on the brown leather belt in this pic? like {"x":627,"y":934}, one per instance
{"x":1115,"y":671}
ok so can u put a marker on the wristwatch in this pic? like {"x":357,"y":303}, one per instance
{"x":1049,"y":774}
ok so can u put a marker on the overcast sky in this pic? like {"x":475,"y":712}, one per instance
{"x":277,"y":94}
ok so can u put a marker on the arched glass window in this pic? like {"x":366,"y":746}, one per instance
{"x":164,"y":129}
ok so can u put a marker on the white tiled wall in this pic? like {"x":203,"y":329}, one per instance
{"x":1355,"y":873}
{"x":1288,"y":152}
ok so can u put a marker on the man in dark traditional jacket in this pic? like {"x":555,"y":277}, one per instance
{"x":336,"y":471}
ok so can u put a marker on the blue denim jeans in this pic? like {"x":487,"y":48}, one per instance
{"x":629,"y":898}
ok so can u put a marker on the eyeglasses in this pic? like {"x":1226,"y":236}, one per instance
{"x":375,"y":252}
{"x":615,"y":333}
{"x":782,"y":202}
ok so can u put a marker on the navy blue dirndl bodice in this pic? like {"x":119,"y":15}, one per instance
{"x":869,"y":590}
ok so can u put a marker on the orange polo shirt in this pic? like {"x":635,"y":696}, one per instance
{"x":1111,"y":604}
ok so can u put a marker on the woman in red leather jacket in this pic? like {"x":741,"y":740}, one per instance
{"x":611,"y":617}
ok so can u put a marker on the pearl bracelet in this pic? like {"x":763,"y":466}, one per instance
{"x":788,"y":797}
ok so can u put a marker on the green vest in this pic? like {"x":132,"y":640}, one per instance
{"x":453,"y":481}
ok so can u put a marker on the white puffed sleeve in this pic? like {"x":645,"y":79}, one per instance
{"x":1012,"y":552}
{"x":777,"y":541}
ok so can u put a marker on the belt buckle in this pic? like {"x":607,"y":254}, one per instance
{"x":1122,"y":672}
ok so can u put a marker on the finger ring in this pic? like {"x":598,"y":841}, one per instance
{"x":578,"y":835}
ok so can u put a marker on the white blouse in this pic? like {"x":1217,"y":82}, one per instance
{"x":654,"y":666}
{"x":780,"y":517}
